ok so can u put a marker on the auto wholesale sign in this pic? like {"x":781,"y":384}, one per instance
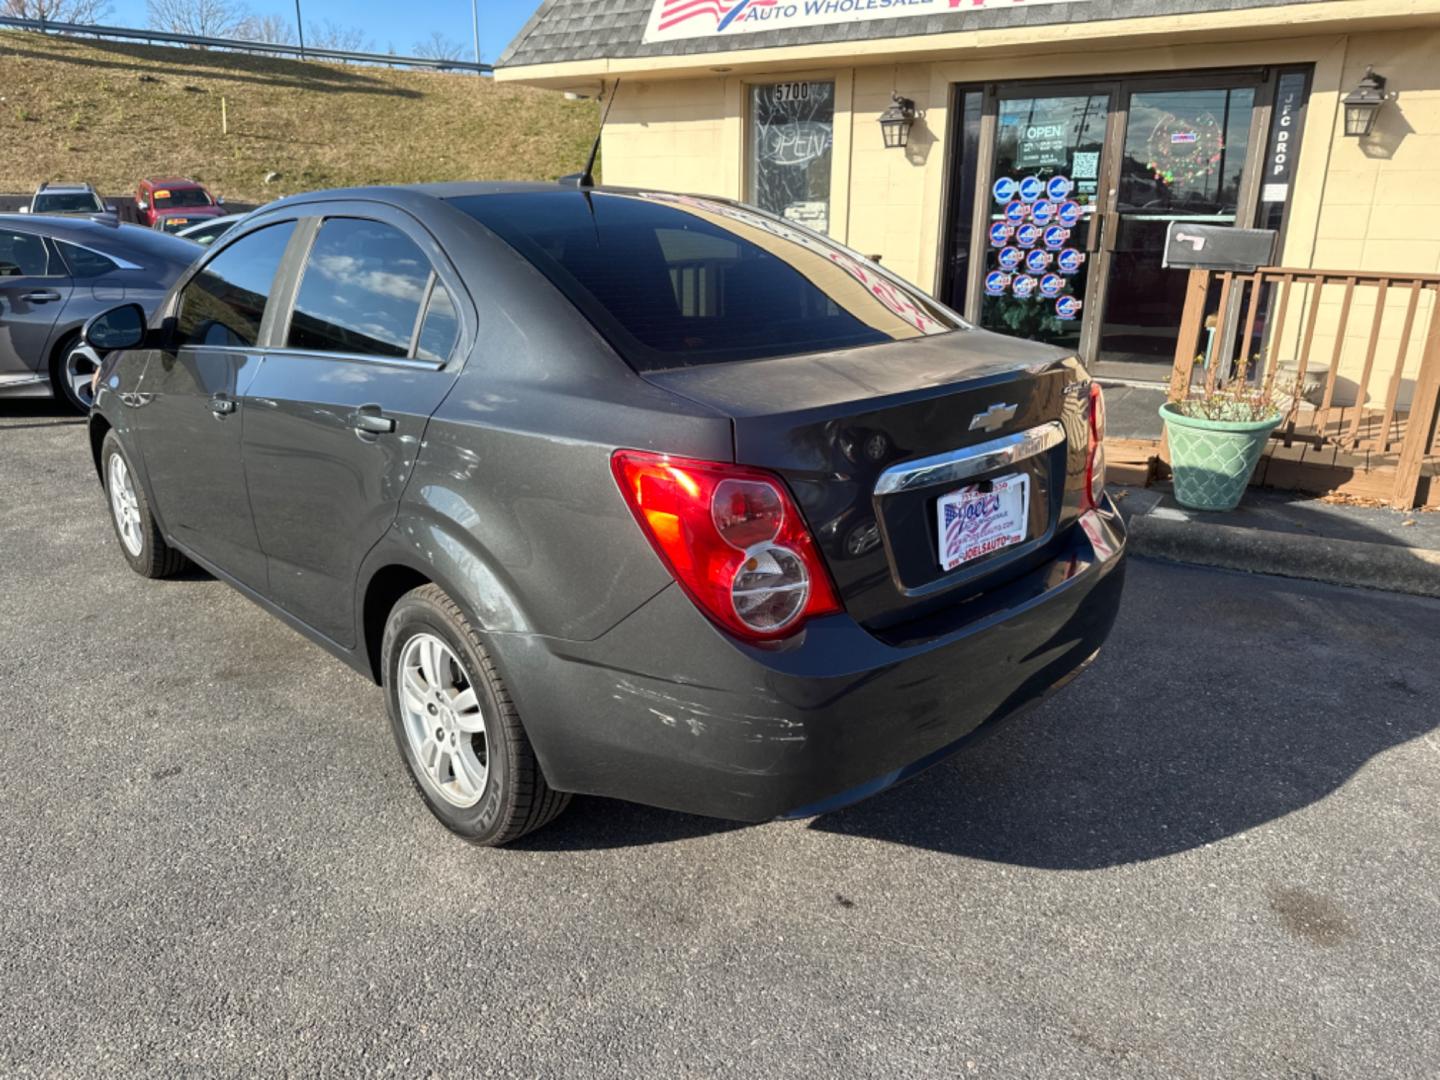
{"x":672,"y":20}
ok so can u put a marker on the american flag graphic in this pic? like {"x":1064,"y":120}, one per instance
{"x":674,"y":12}
{"x":954,"y":529}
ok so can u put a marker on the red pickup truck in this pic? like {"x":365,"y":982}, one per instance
{"x":173,"y":202}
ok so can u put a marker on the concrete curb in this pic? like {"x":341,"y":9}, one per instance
{"x":1387,"y":567}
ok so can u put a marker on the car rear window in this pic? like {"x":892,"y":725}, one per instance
{"x":675,"y":280}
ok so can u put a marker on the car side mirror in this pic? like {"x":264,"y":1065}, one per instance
{"x":121,"y":327}
{"x":24,"y":209}
{"x":220,"y":200}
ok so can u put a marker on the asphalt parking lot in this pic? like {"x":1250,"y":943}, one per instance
{"x":1216,"y":854}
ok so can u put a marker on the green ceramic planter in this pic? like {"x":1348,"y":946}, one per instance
{"x":1212,"y":460}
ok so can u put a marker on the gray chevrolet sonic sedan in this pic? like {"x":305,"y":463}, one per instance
{"x":636,"y":494}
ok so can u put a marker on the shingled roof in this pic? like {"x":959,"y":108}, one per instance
{"x":566,"y":30}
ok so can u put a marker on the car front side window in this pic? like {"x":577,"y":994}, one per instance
{"x":224,"y":303}
{"x":361,"y":290}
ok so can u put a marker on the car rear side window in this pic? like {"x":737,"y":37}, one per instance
{"x":361,"y":290}
{"x":440,"y":330}
{"x":23,"y":255}
{"x":83,"y":262}
{"x":224,"y":303}
{"x":677,"y":280}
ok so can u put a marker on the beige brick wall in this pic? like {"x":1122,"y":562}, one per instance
{"x":1376,"y":207}
{"x":1380,"y":197}
{"x":677,"y":135}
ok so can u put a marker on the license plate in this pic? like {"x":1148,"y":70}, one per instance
{"x":981,"y":518}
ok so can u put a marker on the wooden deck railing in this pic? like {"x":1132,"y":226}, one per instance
{"x":1310,"y":327}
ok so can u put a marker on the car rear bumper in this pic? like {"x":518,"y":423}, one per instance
{"x":665,"y":710}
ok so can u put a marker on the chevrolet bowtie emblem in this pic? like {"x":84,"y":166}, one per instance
{"x":992,"y":418}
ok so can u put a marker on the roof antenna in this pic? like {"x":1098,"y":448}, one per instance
{"x":587,"y":178}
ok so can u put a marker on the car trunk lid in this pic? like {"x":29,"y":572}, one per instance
{"x":869,"y":439}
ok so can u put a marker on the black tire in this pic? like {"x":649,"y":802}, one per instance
{"x":156,"y":558}
{"x":516,"y":798}
{"x":59,"y":384}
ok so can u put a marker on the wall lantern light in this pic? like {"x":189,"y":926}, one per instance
{"x":1363,"y":104}
{"x":896,"y":121}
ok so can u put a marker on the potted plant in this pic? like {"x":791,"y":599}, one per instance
{"x":1216,"y":437}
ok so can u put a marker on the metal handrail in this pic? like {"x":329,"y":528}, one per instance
{"x":267,"y":48}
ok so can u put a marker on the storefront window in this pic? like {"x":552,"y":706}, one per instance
{"x":792,"y":127}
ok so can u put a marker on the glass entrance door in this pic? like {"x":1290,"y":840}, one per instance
{"x":1074,"y":188}
{"x":1043,"y":197}
{"x":1183,"y":159}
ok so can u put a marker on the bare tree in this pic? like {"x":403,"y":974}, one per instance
{"x":205,"y":18}
{"x":331,"y":35}
{"x":76,"y":11}
{"x":439,"y":47}
{"x":272,"y":28}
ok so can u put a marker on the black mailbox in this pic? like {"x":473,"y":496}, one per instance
{"x":1190,"y":246}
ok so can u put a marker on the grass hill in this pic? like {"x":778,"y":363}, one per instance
{"x":110,"y":113}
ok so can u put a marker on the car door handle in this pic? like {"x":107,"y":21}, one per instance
{"x":221,"y":406}
{"x":42,"y":297}
{"x":367,"y":419}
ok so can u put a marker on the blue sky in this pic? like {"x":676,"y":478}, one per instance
{"x":500,"y":20}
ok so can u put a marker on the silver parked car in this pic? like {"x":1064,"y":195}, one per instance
{"x":207,"y":232}
{"x":66,"y":200}
{"x":57,"y":272}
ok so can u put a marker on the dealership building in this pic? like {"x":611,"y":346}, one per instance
{"x":1023,"y":159}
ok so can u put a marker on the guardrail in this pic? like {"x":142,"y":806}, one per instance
{"x":1355,"y":343}
{"x":263,"y":48}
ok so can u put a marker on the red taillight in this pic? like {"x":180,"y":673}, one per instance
{"x":733,"y":538}
{"x":1095,"y":456}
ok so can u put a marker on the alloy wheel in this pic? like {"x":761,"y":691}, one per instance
{"x":444,"y":722}
{"x":125,"y":506}
{"x":79,"y":371}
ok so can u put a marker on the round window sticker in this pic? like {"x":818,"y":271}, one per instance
{"x":1023,"y":286}
{"x":1070,"y":261}
{"x":1030,"y":189}
{"x":996,"y":282}
{"x":1042,"y":213}
{"x":1027,"y":235}
{"x":1055,"y":237}
{"x":1059,"y":187}
{"x":1068,"y":213}
{"x":1067,"y":307}
{"x":1016,"y":212}
{"x":1010,"y":257}
{"x":1036,"y":261}
{"x":999,"y":234}
{"x":1004,"y":189}
{"x":1051,"y":284}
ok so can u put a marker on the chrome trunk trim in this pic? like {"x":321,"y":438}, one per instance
{"x":956,"y":465}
